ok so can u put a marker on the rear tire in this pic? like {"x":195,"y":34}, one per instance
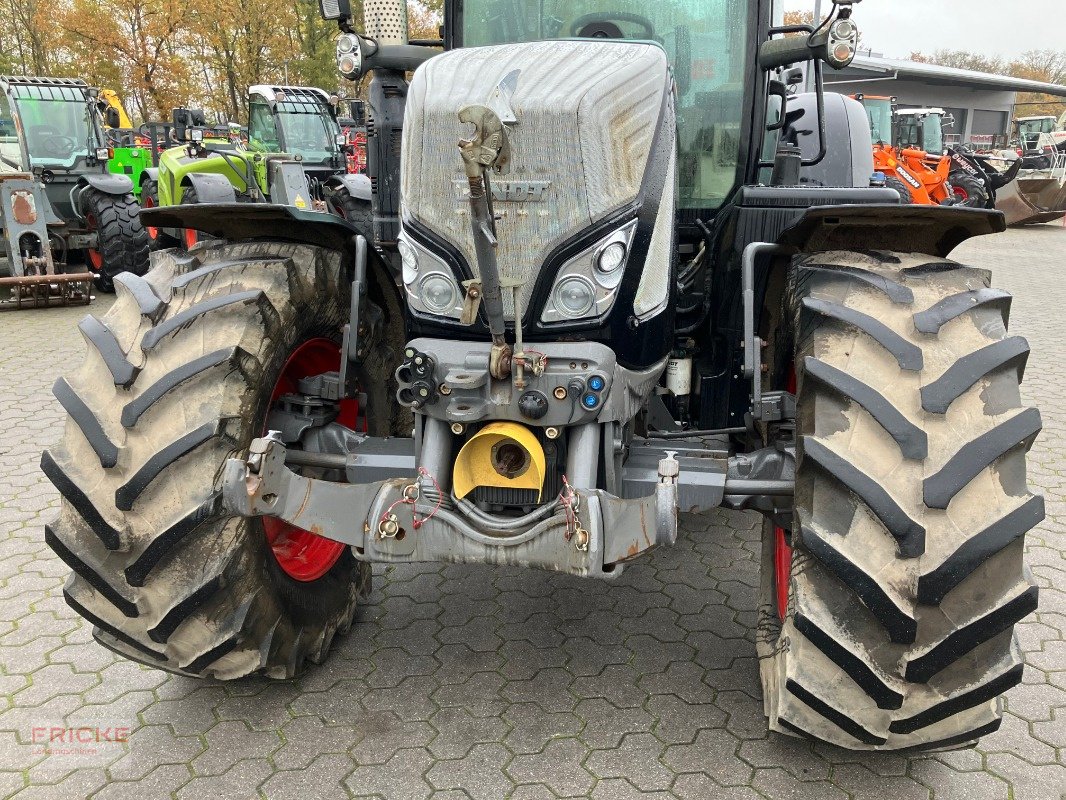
{"x":178,"y":378}
{"x":911,"y":506}
{"x":122,"y":243}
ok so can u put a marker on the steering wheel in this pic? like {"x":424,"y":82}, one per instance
{"x":608,"y":29}
{"x":52,"y":141}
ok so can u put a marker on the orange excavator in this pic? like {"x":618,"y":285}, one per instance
{"x":919,"y":176}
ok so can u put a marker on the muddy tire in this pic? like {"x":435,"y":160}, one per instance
{"x":157,"y":238}
{"x":905,"y":196}
{"x":122,"y":244}
{"x":969,"y":191}
{"x":907,"y":573}
{"x":357,"y":212}
{"x":173,"y":385}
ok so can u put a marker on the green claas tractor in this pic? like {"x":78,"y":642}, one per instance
{"x":617,"y":270}
{"x":294,"y":155}
{"x":66,"y":220}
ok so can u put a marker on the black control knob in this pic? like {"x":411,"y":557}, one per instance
{"x":533,"y":404}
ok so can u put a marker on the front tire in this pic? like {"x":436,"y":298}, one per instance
{"x":905,"y":195}
{"x":179,"y":377}
{"x":907,"y":574}
{"x":157,"y":239}
{"x":358,"y":212}
{"x":969,"y":191}
{"x":122,"y":243}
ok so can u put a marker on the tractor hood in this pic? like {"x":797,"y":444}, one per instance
{"x":592,"y":138}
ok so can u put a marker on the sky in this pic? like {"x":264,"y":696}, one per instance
{"x":991,"y":27}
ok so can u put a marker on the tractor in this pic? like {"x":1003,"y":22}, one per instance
{"x":295,"y":154}
{"x":60,"y":205}
{"x":618,"y":268}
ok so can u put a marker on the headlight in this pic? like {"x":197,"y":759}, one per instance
{"x":101,"y":154}
{"x":587,"y":284}
{"x":346,"y":43}
{"x":574,"y":297}
{"x":843,"y":29}
{"x":438,"y":292}
{"x":428,"y":281}
{"x":348,"y":65}
{"x":609,"y":262}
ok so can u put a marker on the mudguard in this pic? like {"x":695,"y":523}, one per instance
{"x":150,"y":172}
{"x":111,"y":183}
{"x":358,"y":185}
{"x":235,"y":221}
{"x":211,"y":188}
{"x":933,"y":230}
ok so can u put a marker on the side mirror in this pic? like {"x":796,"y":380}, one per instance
{"x":111,"y":117}
{"x":358,"y":112}
{"x":185,"y":119}
{"x":335,"y":9}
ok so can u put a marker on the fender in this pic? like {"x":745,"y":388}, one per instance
{"x":933,"y":230}
{"x":116,"y":184}
{"x":150,"y":172}
{"x":248,"y":221}
{"x":358,"y":185}
{"x":211,"y":188}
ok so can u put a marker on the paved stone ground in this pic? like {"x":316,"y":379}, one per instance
{"x":466,"y":682}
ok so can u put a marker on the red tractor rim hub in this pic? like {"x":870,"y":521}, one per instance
{"x":961,"y":193}
{"x":96,"y":258}
{"x":302,"y":555}
{"x":782,"y":570}
{"x":151,"y":230}
{"x":191,"y":237}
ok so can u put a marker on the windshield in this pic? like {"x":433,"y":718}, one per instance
{"x":57,"y":124}
{"x":933,"y":134}
{"x":879,"y":112}
{"x":301,"y":127}
{"x":705,"y":41}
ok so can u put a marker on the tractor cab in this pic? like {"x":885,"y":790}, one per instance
{"x":50,"y":127}
{"x":923,"y":129}
{"x":1041,"y":135}
{"x":881,"y":113}
{"x":299,"y":121}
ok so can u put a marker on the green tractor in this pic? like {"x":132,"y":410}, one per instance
{"x":295,"y":155}
{"x":60,"y":205}
{"x":634,"y":275}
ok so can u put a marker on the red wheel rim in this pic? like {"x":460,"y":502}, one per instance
{"x":96,"y":258}
{"x":191,"y":237}
{"x":782,"y":550}
{"x":148,"y":202}
{"x":782,"y":570}
{"x":302,"y":555}
{"x":961,"y":194}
